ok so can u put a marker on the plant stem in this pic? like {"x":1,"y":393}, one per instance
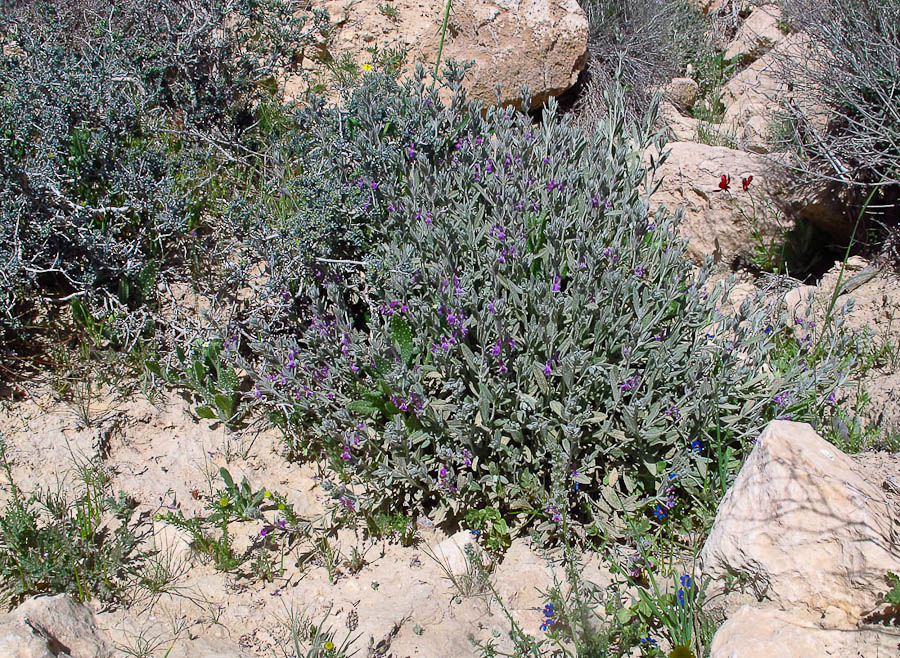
{"x":440,"y":51}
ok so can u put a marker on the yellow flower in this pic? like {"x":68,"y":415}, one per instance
{"x":681,"y":651}
{"x":329,"y":646}
{"x":367,"y":67}
{"x":267,"y":494}
{"x":223,"y":501}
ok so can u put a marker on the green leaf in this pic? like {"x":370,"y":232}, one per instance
{"x":362,"y":407}
{"x":205,"y":412}
{"x":226,"y":404}
{"x":226,"y":478}
{"x":402,"y":336}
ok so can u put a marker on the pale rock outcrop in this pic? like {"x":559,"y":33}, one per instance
{"x":809,"y":530}
{"x":681,"y":128}
{"x":717,"y":222}
{"x":538,"y":43}
{"x":756,"y":35}
{"x":755,"y":135}
{"x":752,"y":632}
{"x":51,"y":627}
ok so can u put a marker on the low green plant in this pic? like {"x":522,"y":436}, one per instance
{"x":207,"y":379}
{"x":491,"y":528}
{"x":389,"y":11}
{"x":211,"y":536}
{"x":392,"y":525}
{"x":311,"y":639}
{"x":86,"y":544}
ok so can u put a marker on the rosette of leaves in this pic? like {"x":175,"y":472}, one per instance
{"x":530,"y":326}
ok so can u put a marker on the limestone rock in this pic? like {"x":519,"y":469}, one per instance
{"x":755,"y":136}
{"x":681,"y":128}
{"x":682,"y":92}
{"x":754,"y":632}
{"x":717,"y":222}
{"x":806,"y":526}
{"x":452,"y":553}
{"x":756,"y":35}
{"x":541,"y":43}
{"x":51,"y":627}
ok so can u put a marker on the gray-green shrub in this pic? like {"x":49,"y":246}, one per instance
{"x":528,"y":335}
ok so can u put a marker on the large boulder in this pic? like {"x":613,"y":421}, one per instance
{"x":51,"y":627}
{"x":538,"y":43}
{"x":807,"y":528}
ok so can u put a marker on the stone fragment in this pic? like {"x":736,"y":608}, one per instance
{"x":682,"y":92}
{"x":453,"y":553}
{"x":718,"y":222}
{"x":538,"y":43}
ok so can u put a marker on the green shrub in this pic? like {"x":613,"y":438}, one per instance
{"x":86,"y":545}
{"x":527,"y":336}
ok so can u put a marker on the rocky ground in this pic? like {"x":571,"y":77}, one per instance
{"x":816,"y":583}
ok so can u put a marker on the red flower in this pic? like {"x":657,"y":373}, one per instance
{"x":745,"y":182}
{"x":724,"y":183}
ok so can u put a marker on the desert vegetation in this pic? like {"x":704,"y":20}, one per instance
{"x":464,"y":314}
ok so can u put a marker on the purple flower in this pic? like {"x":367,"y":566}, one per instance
{"x":673,"y":412}
{"x":556,"y":283}
{"x":265,"y":531}
{"x":547,"y":369}
{"x":346,"y":456}
{"x":281,"y":523}
{"x":629,"y":384}
{"x":640,"y":271}
{"x":467,"y":457}
{"x":781,"y":399}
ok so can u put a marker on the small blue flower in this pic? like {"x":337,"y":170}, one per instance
{"x":685,"y":581}
{"x":696,"y":445}
{"x":681,"y":597}
{"x":549,"y":610}
{"x":659,"y":512}
{"x":648,"y":640}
